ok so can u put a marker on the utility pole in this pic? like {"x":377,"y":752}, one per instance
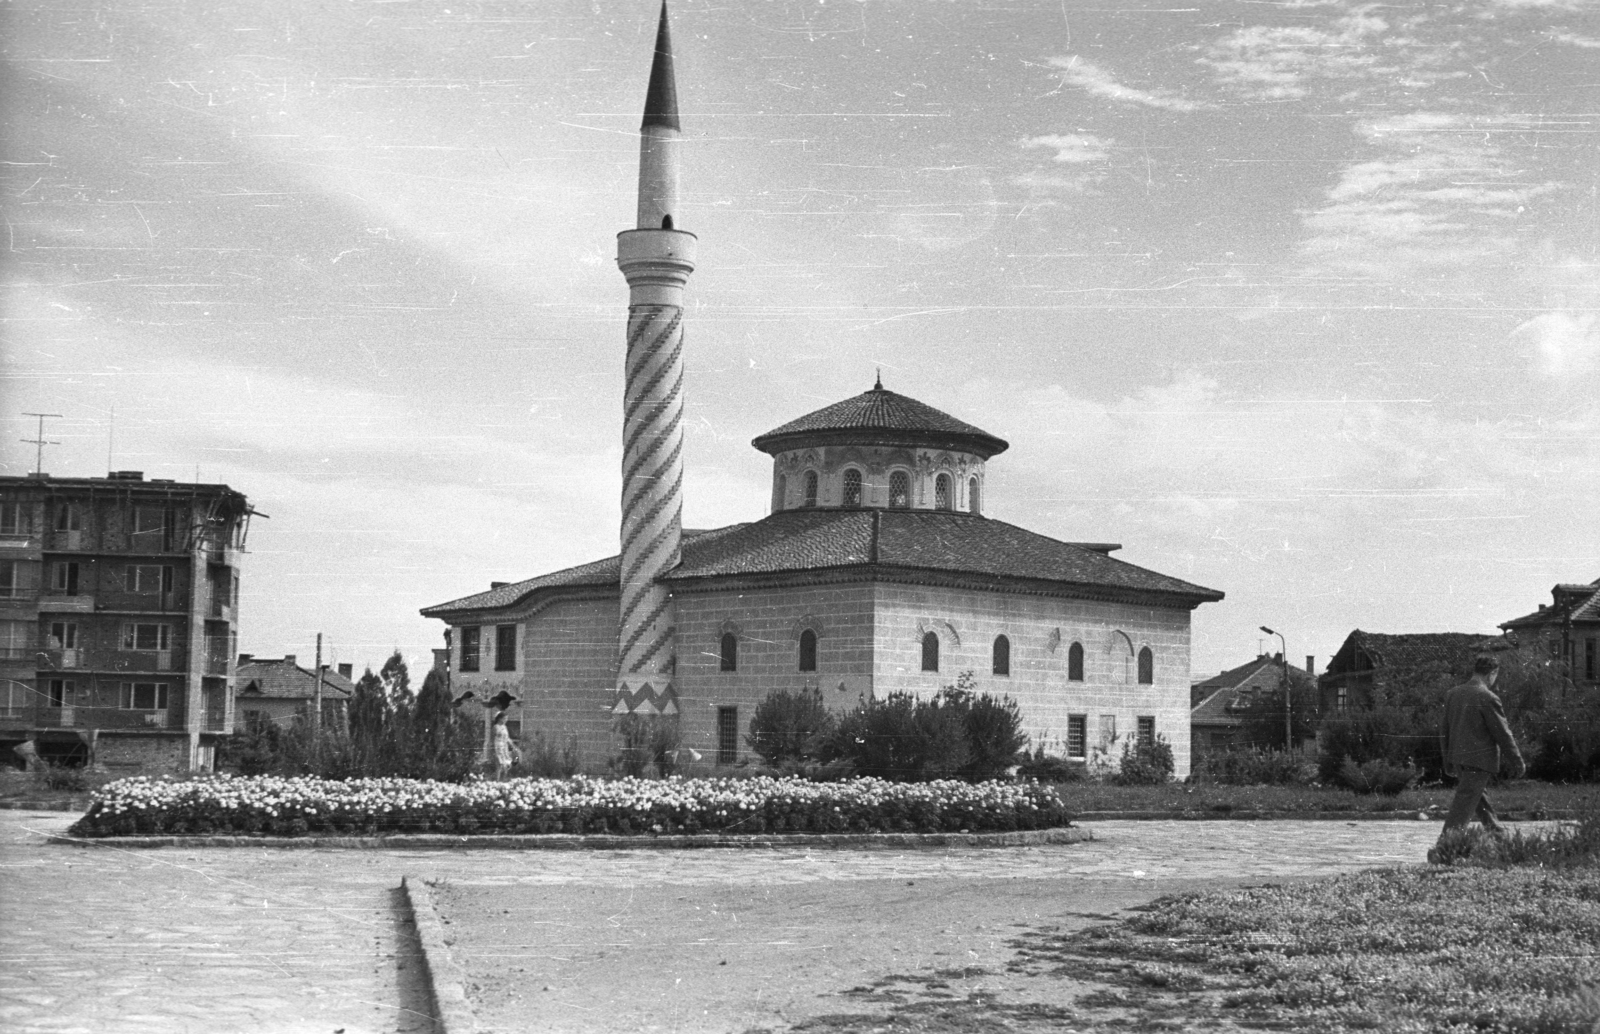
{"x":316,"y":708}
{"x":41,"y":441}
{"x":1288,"y":725}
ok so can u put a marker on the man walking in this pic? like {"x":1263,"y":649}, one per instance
{"x":1473,"y":734}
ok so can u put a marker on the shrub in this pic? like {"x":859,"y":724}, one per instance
{"x":1047,"y":769}
{"x":1565,"y":743}
{"x":900,"y":738}
{"x":1568,"y":844}
{"x":1386,"y":733}
{"x":1145,"y":764}
{"x":1253,"y":766}
{"x":1378,"y":776}
{"x":790,"y":728}
{"x":546,"y":759}
{"x":646,"y":740}
{"x":995,"y":739}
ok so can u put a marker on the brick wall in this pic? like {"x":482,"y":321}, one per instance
{"x":145,"y":754}
{"x":967,"y":622}
{"x":768,"y":624}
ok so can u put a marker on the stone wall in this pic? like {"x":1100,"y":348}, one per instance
{"x":142,"y":754}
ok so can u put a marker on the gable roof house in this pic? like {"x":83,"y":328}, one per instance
{"x":1217,"y":720}
{"x":1564,"y":632}
{"x":278,"y":689}
{"x":1373,"y":663}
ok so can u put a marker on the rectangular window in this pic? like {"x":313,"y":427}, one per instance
{"x":66,"y":579}
{"x":68,"y":518}
{"x":13,"y":697}
{"x":1342,"y":699}
{"x":62,"y":692}
{"x":141,"y":636}
{"x":727,"y":735}
{"x":1147,"y":730}
{"x":1077,"y":736}
{"x":16,"y":639}
{"x":13,"y":519}
{"x":1590,"y":660}
{"x":63,"y":635}
{"x":18,"y":578}
{"x":144,"y":696}
{"x":145,"y":578}
{"x":469,"y":647}
{"x":505,"y":648}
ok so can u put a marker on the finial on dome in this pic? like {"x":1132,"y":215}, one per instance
{"x":878,"y":386}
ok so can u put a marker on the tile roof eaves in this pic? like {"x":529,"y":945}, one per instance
{"x":540,"y":596}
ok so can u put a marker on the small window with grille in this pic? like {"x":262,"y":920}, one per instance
{"x":727,"y":735}
{"x":899,"y":490}
{"x":852,"y":487}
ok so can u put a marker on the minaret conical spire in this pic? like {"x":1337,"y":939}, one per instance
{"x":661,"y":99}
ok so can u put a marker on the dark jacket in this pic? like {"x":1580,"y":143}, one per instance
{"x":1474,"y":730}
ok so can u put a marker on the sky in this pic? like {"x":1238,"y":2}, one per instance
{"x":1296,"y":300}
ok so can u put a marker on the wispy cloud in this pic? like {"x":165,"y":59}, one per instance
{"x":1074,"y":69}
{"x":1441,"y":193}
{"x":1083,"y":156}
{"x":1275,"y":62}
{"x":1564,"y":342}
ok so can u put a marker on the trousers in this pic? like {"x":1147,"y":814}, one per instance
{"x":1472,"y":800}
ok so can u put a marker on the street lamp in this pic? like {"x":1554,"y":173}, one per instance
{"x":1288,"y":728}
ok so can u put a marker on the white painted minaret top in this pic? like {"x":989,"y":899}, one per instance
{"x":659,"y":139}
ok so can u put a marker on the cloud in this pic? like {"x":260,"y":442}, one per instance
{"x":1270,"y":62}
{"x":1564,"y":342}
{"x":1441,"y":193}
{"x":1071,"y":148}
{"x":1101,"y":83}
{"x":1575,"y":40}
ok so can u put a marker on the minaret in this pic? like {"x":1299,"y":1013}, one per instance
{"x":656,"y":258}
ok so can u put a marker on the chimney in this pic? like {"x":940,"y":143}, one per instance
{"x":1311,"y":664}
{"x":245,"y":658}
{"x":498,"y":585}
{"x":288,"y":658}
{"x":347,"y":670}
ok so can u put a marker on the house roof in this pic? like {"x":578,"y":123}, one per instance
{"x":1410,"y":650}
{"x":880,"y":415}
{"x":1214,"y":710}
{"x":1215,"y":707}
{"x":1573,"y":601}
{"x":799,"y":542}
{"x":282,"y":678}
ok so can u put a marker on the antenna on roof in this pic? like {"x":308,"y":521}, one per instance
{"x":41,"y":441}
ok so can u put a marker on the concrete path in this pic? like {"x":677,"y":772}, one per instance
{"x":172,"y":940}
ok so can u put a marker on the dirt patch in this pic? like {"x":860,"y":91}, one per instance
{"x":933,"y":954}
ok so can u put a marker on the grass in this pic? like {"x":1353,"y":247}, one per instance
{"x":1523,"y":797}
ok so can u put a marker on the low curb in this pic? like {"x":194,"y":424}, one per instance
{"x":56,"y":805}
{"x":1241,"y":815}
{"x":572,"y":842}
{"x":447,"y":988}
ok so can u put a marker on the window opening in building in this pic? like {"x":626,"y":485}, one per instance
{"x":808,"y":650}
{"x":62,"y":692}
{"x":146,"y":637}
{"x":68,"y":519}
{"x":730,"y":652}
{"x":1077,"y":735}
{"x":63,"y":635}
{"x":781,"y":499}
{"x":727,"y":735}
{"x":1147,"y":730}
{"x":972,"y":496}
{"x":13,"y":519}
{"x":811,"y":488}
{"x":1589,"y":658}
{"x":67,"y":577}
{"x":899,"y":490}
{"x":15,"y":639}
{"x":1075,"y":663}
{"x":941,"y":492}
{"x":1341,"y":698}
{"x":144,"y":696}
{"x":505,"y":648}
{"x":1002,"y":655}
{"x":1147,"y":667}
{"x":469,"y":647}
{"x":930,"y":652}
{"x":852,"y":487}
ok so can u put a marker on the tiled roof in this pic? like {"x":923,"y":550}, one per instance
{"x":284,"y":679}
{"x":1449,"y":649}
{"x":1583,"y":601}
{"x":1215,"y":708}
{"x":800,"y":541}
{"x":881,"y":414}
{"x":1233,"y":676}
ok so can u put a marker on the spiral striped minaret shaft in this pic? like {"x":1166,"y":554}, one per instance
{"x":656,"y":258}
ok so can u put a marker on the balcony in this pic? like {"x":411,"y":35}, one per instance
{"x":61,"y":660}
{"x":144,"y":660}
{"x":64,"y":604}
{"x":66,"y":540}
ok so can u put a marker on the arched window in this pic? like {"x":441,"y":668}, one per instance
{"x":1002,"y":655}
{"x":972,"y":496}
{"x":899,"y":491}
{"x":781,"y":496}
{"x":1147,"y":667}
{"x":930,"y":652}
{"x":808,"y":650}
{"x":941,"y":492}
{"x":730,"y":652}
{"x":852,"y":487}
{"x":1075,"y":663}
{"x":811,"y":488}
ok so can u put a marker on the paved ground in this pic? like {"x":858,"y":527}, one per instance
{"x":176,"y":940}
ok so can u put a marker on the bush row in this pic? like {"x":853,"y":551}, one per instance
{"x":299,"y":806}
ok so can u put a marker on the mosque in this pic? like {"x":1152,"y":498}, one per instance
{"x":875,"y":572}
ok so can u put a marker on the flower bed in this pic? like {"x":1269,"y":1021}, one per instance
{"x":298,"y":807}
